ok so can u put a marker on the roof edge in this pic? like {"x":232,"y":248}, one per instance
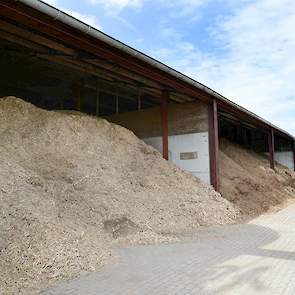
{"x":59,"y":15}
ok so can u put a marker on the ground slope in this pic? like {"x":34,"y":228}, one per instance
{"x":249,"y":183}
{"x":70,"y":185}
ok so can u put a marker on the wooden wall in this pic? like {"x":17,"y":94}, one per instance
{"x":182,"y":119}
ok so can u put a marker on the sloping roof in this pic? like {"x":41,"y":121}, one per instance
{"x":60,"y":16}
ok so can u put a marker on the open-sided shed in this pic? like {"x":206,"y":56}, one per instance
{"x":58,"y":62}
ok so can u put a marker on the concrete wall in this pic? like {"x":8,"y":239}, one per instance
{"x":188,"y":134}
{"x":188,"y":151}
{"x":285,"y":158}
{"x":182,"y":119}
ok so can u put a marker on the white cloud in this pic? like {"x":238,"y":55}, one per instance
{"x":114,"y":6}
{"x":171,"y":33}
{"x":259,"y":68}
{"x":51,"y":2}
{"x":184,"y":8}
{"x":256,"y":67}
{"x":86,"y":18}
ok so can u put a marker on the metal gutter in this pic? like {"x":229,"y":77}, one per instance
{"x":58,"y":15}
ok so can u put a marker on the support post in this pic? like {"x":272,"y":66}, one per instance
{"x":294,"y":153}
{"x":97,"y":99}
{"x":271,"y":145}
{"x":117,"y":102}
{"x":139,"y":101}
{"x":213,"y":144}
{"x":77,"y":94}
{"x":164,"y":123}
{"x":61,"y":103}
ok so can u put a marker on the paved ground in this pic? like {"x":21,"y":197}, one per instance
{"x":254,"y":258}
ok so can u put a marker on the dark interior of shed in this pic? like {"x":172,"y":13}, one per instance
{"x":55,"y":75}
{"x":52,"y":86}
{"x":242,"y":133}
{"x":52,"y":75}
{"x":250,"y":136}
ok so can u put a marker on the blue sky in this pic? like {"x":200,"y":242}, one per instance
{"x":244,"y":49}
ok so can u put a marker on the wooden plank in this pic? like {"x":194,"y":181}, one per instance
{"x":37,"y":42}
{"x":164,"y":122}
{"x":20,"y":41}
{"x":42,"y":52}
{"x":213,"y":144}
{"x":36,"y":38}
{"x":183,"y":118}
{"x":271,"y":144}
{"x":72,"y":53}
{"x":99,"y":48}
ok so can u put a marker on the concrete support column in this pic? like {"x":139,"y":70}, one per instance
{"x":213,"y":144}
{"x":164,"y":123}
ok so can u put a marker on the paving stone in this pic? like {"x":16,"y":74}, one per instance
{"x":253,"y":258}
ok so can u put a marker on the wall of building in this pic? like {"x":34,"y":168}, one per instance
{"x":187,"y":151}
{"x":188,"y":134}
{"x":285,"y":158}
{"x":182,"y":119}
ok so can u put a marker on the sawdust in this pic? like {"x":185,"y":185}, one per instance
{"x":71,"y":186}
{"x":249,"y":183}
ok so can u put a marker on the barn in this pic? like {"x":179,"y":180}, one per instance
{"x":58,"y":62}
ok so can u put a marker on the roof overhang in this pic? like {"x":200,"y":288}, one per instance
{"x":61,"y":26}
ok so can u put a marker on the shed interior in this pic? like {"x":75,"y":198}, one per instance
{"x":50,"y":85}
{"x":55,"y":76}
{"x":256,"y":138}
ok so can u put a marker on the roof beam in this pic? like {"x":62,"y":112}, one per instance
{"x":75,"y":64}
{"x":78,"y":39}
{"x":32,"y":40}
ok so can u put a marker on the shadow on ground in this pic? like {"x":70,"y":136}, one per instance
{"x":217,"y":261}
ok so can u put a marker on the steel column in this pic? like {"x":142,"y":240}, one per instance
{"x":213,"y":144}
{"x":271,"y":144}
{"x":164,"y":122}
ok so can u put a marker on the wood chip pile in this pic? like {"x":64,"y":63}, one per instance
{"x":248,"y":182}
{"x":72,"y":185}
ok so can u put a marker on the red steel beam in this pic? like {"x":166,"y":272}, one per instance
{"x":271,"y":144}
{"x":40,"y":22}
{"x":164,"y":122}
{"x":213,"y":144}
